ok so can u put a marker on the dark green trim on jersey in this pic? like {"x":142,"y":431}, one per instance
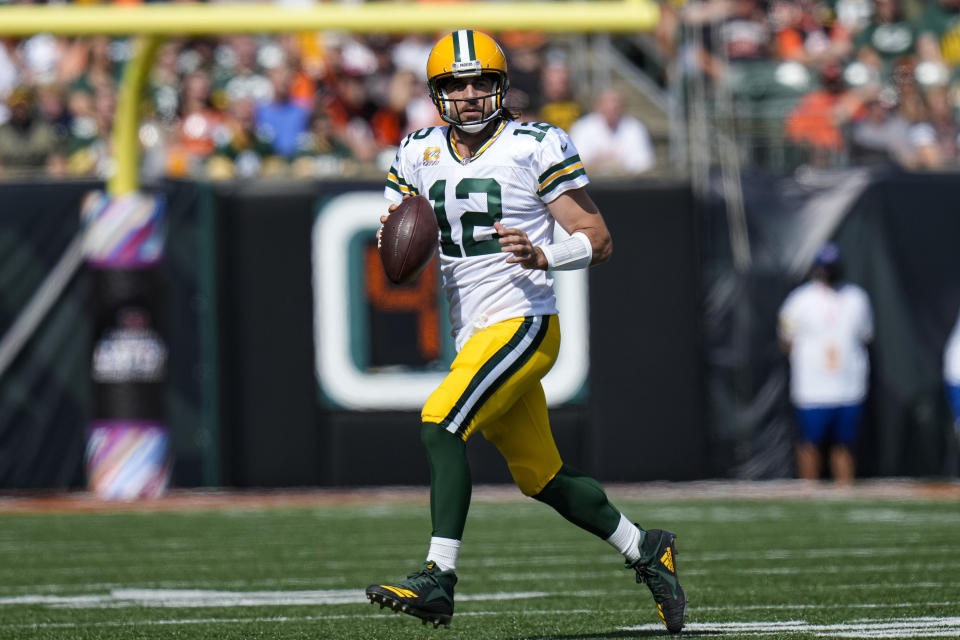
{"x":401,"y":186}
{"x":452,"y":148}
{"x":569,"y":169}
{"x":557,"y":167}
{"x":392,"y":185}
{"x":482,"y":379}
{"x":421,"y":134}
{"x":558,"y":181}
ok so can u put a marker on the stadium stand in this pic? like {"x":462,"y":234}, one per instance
{"x":325,"y":104}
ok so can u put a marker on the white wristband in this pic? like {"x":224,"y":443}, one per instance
{"x":575,"y":252}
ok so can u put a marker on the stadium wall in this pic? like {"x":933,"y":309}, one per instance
{"x":683,"y":378}
{"x":642,"y":390}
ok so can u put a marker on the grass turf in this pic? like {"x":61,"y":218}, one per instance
{"x":752,"y":568}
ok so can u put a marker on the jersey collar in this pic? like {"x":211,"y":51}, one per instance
{"x":486,"y":145}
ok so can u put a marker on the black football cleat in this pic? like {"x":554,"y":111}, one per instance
{"x":657,"y":567}
{"x":426,"y":594}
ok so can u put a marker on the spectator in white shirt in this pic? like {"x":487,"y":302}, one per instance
{"x":824,"y":326}
{"x":609,"y":142}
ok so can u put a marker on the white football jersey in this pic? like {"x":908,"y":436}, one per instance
{"x":510,"y":180}
{"x":828,"y":330}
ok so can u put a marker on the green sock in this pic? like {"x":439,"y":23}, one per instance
{"x":450,"y":484}
{"x":581,"y":500}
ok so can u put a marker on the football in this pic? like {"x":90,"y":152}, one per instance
{"x":409,"y":239}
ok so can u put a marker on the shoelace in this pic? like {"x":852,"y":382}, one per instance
{"x":661,"y":590}
{"x":422,"y":577}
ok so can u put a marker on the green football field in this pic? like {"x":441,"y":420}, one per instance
{"x":840,"y":565}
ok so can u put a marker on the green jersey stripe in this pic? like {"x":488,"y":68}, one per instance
{"x":570,"y":176}
{"x":557,"y":167}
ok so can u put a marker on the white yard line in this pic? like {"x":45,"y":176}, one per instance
{"x":785,"y":554}
{"x":340,"y":616}
{"x":883,"y":628}
{"x":927,"y":626}
{"x":192,"y":598}
{"x":861,"y":605}
{"x":846,"y":569}
{"x":189,"y":598}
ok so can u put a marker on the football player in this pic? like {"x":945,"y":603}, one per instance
{"x":498,"y":187}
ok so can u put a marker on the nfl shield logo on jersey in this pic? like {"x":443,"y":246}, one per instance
{"x":431,"y":156}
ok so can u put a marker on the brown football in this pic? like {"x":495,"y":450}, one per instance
{"x":409,"y":239}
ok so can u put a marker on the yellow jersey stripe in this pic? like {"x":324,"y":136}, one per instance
{"x":397,"y":185}
{"x":562,"y":172}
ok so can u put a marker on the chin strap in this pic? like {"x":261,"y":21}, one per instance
{"x":575,"y":252}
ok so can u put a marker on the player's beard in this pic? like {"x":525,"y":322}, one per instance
{"x":476,"y":125}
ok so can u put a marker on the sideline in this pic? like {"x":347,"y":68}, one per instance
{"x":217,"y":500}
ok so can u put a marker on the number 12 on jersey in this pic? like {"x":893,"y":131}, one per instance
{"x":469,"y":220}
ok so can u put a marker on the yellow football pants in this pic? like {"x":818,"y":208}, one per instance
{"x":494,"y":387}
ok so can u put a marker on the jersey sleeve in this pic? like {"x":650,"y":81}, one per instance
{"x":560,"y":168}
{"x":397,"y":185}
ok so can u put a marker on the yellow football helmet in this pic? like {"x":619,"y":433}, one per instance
{"x":464,"y":54}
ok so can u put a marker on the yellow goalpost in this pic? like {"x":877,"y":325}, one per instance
{"x":372,"y":17}
{"x":151,"y":22}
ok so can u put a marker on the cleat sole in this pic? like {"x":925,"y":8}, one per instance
{"x":402,"y":607}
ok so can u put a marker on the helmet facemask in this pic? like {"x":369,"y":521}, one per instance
{"x":492,"y":101}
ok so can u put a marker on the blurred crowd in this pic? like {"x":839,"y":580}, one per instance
{"x":842,"y":81}
{"x":301,"y":105}
{"x":835,"y":82}
{"x":232,"y":107}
